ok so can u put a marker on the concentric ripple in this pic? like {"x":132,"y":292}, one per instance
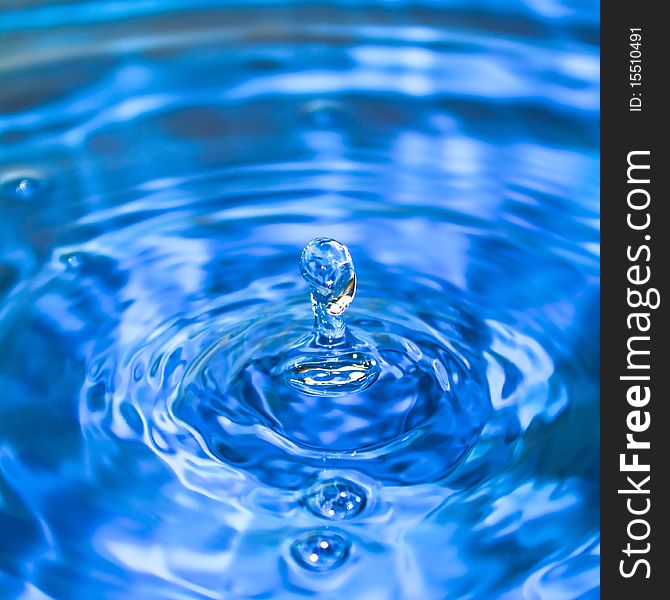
{"x":157,"y":185}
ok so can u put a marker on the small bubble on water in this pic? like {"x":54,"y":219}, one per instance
{"x":73,"y":261}
{"x":321,"y":550}
{"x":336,"y":499}
{"x":24,"y":187}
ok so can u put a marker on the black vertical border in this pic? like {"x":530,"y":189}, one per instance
{"x":623,"y":131}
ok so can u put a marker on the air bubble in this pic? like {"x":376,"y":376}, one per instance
{"x":23,"y":187}
{"x":73,"y":261}
{"x":336,"y":499}
{"x":321,"y":550}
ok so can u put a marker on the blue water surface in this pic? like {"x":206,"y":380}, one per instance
{"x":162,"y":166}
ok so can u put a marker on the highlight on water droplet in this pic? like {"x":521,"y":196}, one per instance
{"x":334,"y":362}
{"x":336,"y":499}
{"x":321,"y":550}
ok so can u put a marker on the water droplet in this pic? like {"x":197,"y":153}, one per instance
{"x":337,"y":362}
{"x":336,"y":499}
{"x":327,"y":267}
{"x":321,"y":550}
{"x":104,"y":270}
{"x":24,"y":187}
{"x":73,"y":261}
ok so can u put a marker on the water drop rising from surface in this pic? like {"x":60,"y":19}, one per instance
{"x":153,"y":204}
{"x":321,"y":550}
{"x":335,"y":362}
{"x":327,"y":267}
{"x":368,"y":402}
